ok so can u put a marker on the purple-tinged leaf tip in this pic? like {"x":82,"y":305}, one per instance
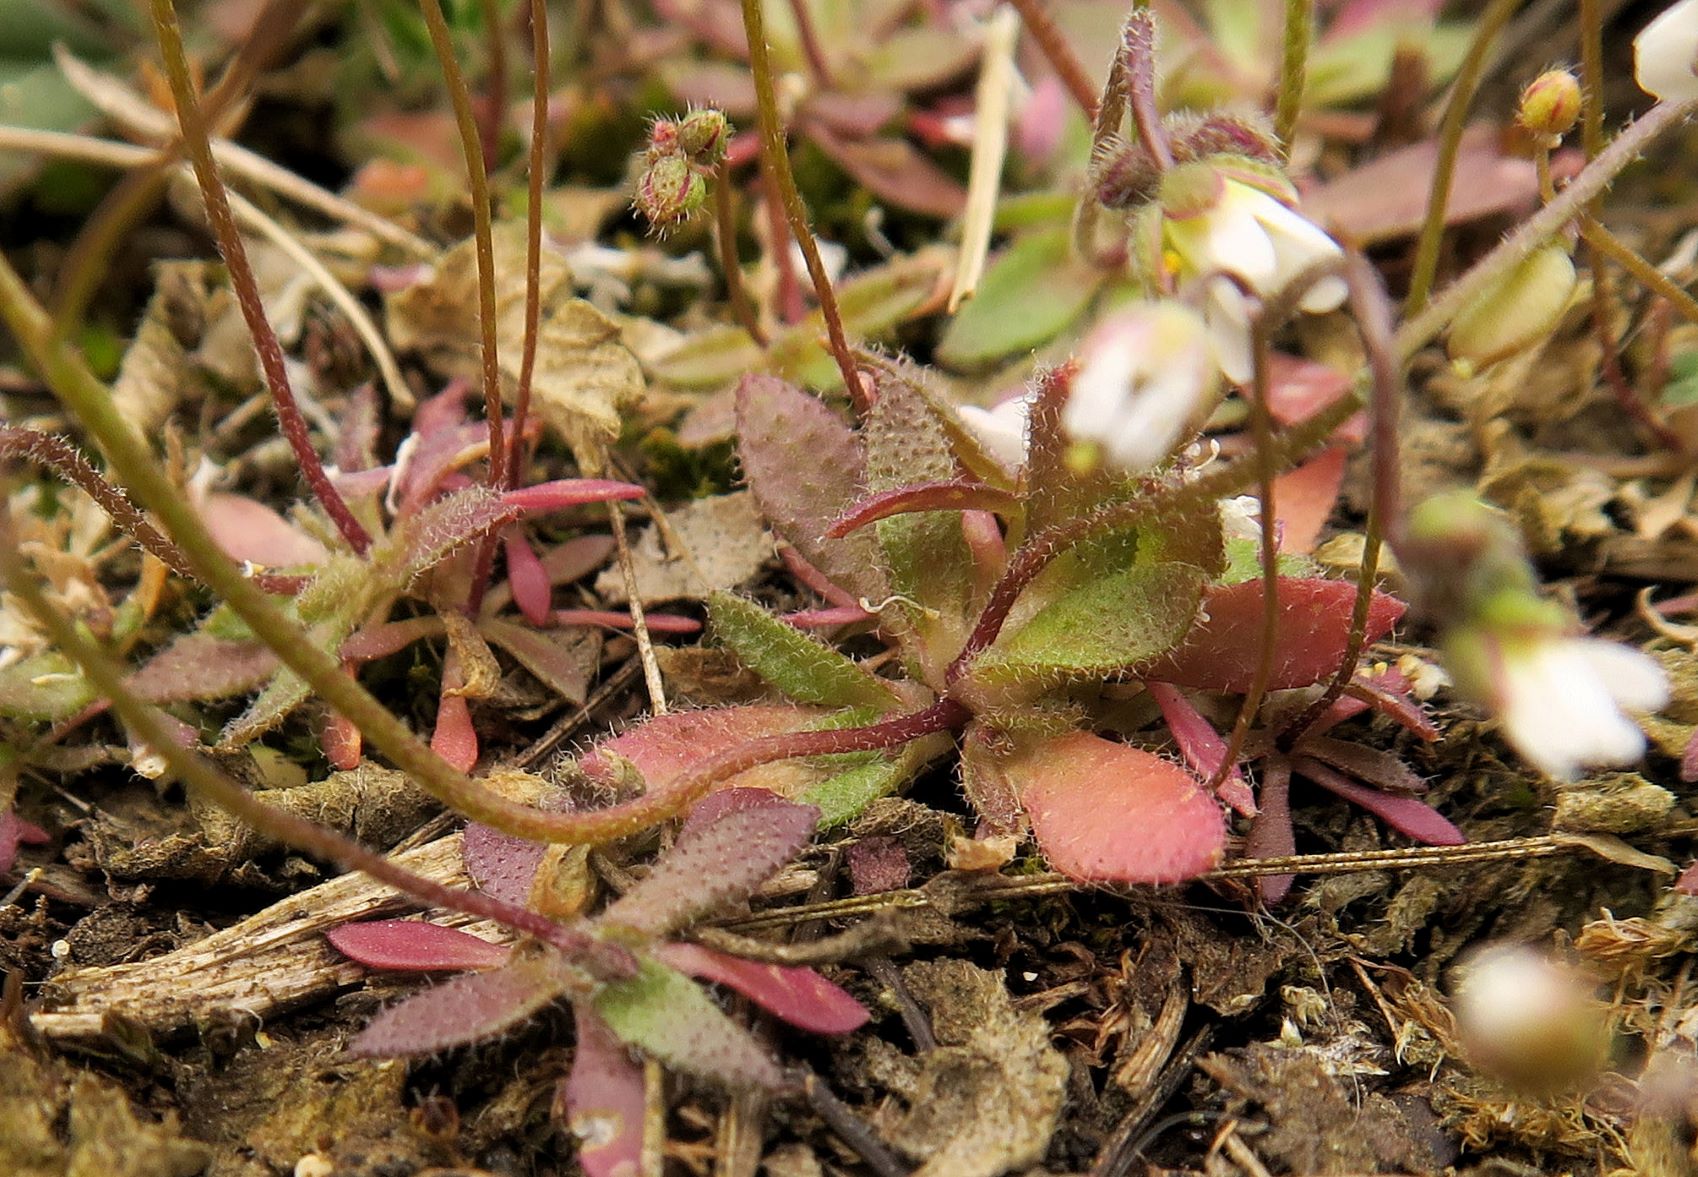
{"x":414,"y":946}
{"x":602,"y":1098}
{"x":14,"y":831}
{"x":799,"y":995}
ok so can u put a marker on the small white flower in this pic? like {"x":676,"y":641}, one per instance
{"x":1146,"y":376}
{"x":1262,"y":242}
{"x":1562,"y":699}
{"x":1665,"y":54}
{"x":1001,"y":429}
{"x":1241,"y":518}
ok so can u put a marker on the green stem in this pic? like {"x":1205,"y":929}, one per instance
{"x":192,"y":121}
{"x":725,"y":235}
{"x":471,"y":147}
{"x":1629,"y":259}
{"x":1540,"y":227}
{"x":776,"y":157}
{"x":1462,"y":91}
{"x":1293,"y":68}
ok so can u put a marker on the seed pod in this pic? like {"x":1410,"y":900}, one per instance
{"x":669,"y":190}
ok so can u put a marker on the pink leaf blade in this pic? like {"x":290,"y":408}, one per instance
{"x":570,"y":492}
{"x":532,"y":591}
{"x":602,"y":1097}
{"x":1406,"y":815}
{"x":501,"y":865}
{"x":1201,"y":745}
{"x":15,"y":832}
{"x":1107,"y":812}
{"x":1271,"y":835}
{"x":1220,"y":653}
{"x":798,"y":995}
{"x":415,"y":946}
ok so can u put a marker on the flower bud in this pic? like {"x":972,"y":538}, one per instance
{"x":1516,"y":311}
{"x":1247,"y":134}
{"x":1528,"y":1019}
{"x":669,"y":190}
{"x":1550,"y":104}
{"x":703,"y":136}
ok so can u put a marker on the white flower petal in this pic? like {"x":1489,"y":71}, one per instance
{"x":1561,"y":713}
{"x":1002,"y":429}
{"x":1665,"y":54}
{"x":1633,"y":678}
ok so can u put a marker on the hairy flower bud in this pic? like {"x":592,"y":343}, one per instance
{"x":1517,"y":311}
{"x":1550,"y":104}
{"x":669,"y":190}
{"x":703,"y":136}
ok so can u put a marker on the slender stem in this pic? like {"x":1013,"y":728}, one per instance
{"x":811,"y":47}
{"x":634,"y":602}
{"x":200,"y":775}
{"x":1138,"y":46}
{"x":1293,"y":69}
{"x":1591,"y":78}
{"x":1629,"y":259}
{"x":471,"y":147}
{"x":1540,"y":227}
{"x":1373,"y":318}
{"x":1261,"y":427}
{"x":1462,"y":90}
{"x":776,"y":159}
{"x":192,"y":121}
{"x":1602,"y":312}
{"x":725,"y":237}
{"x":535,"y":176}
{"x":1075,"y":78}
{"x":495,"y":101}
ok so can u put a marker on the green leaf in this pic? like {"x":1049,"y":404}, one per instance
{"x":842,"y":796}
{"x":1031,"y":293}
{"x":804,"y":669}
{"x":43,"y":688}
{"x":1107,"y":622}
{"x":668,"y":1015}
{"x":35,"y":95}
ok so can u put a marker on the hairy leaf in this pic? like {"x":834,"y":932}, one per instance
{"x":802,"y":668}
{"x":43,"y":688}
{"x":1314,"y":623}
{"x":603,"y":1100}
{"x":1407,"y":815}
{"x":200,"y":666}
{"x":465,"y":1009}
{"x":415,"y":946}
{"x":562,"y":660}
{"x":956,"y":494}
{"x":422,"y":541}
{"x":666,"y":1014}
{"x":1106,"y":623}
{"x":665,"y":747}
{"x":804,"y":467}
{"x":798,"y":995}
{"x":1106,"y":812}
{"x":499,"y":863}
{"x":714,"y":865}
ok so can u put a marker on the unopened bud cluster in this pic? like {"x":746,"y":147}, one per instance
{"x":681,"y":155}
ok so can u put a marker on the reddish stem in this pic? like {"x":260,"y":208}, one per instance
{"x":1059,"y":54}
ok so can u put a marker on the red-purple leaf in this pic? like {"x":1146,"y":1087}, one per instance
{"x":895,"y":171}
{"x":715,"y":864}
{"x":1304,"y":499}
{"x":455,"y":739}
{"x":251,"y":531}
{"x":390,"y":637}
{"x":527,"y":577}
{"x":877,"y":863}
{"x":564,"y":662}
{"x":1201,"y":745}
{"x":200,"y":666}
{"x":1407,"y":815}
{"x":1271,"y":835}
{"x":570,"y":492}
{"x":463,"y":1009}
{"x":425,"y":539}
{"x":500,"y":864}
{"x":1106,"y":812}
{"x":804,"y":466}
{"x":415,"y":946}
{"x":1687,"y":883}
{"x":602,"y":1097}
{"x":1313,"y":624}
{"x":14,"y":831}
{"x":607,"y":618}
{"x":1381,"y":770}
{"x":959,"y":494}
{"x":798,"y":995}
